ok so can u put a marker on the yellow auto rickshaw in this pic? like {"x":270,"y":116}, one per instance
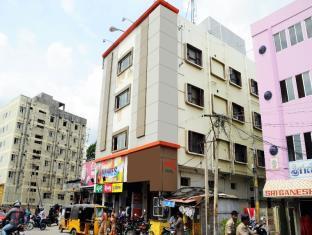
{"x":65,"y":214}
{"x":85,"y":219}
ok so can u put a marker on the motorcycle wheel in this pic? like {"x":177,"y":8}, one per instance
{"x":130,"y":232}
{"x":42,"y":226}
{"x":29,"y":226}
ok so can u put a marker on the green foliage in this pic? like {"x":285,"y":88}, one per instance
{"x":91,"y":152}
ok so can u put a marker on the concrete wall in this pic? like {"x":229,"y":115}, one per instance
{"x":294,"y":116}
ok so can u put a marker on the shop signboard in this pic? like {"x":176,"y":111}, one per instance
{"x":300,"y":169}
{"x":110,"y":171}
{"x":113,"y":188}
{"x":168,"y":203}
{"x":88,"y":174}
{"x":98,"y":188}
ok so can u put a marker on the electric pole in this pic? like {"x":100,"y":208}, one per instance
{"x":256,"y":186}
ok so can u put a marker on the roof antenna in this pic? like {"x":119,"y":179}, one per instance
{"x":193,"y":11}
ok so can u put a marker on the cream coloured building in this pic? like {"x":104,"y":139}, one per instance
{"x":160,"y":77}
{"x":41,"y":149}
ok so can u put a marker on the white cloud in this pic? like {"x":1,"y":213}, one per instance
{"x":82,"y":49}
{"x":26,"y":37}
{"x":59,"y":56}
{"x":4,"y":42}
{"x":68,"y":6}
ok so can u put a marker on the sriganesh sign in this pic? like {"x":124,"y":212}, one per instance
{"x":110,"y":171}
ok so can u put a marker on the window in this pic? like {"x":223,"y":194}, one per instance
{"x":76,"y":127}
{"x":33,"y":184}
{"x":238,"y":112}
{"x":211,"y":184}
{"x":41,"y":111}
{"x":64,"y":123}
{"x":295,"y":34}
{"x":62,"y":151}
{"x":71,"y":197}
{"x":59,"y":166}
{"x":19,"y":126}
{"x":11,"y":174}
{"x":73,"y":154}
{"x":22,"y":109}
{"x":13,"y":156}
{"x":287,"y":90}
{"x":294,"y":147}
{"x":52,"y":119}
{"x":193,"y":55}
{"x":60,"y":196}
{"x":233,"y":186}
{"x":44,"y":179}
{"x":195,"y":95}
{"x":157,"y":207}
{"x":308,"y":144}
{"x":33,"y":190}
{"x":122,"y":99}
{"x":280,"y":40}
{"x":196,"y":142}
{"x":72,"y":168}
{"x":16,"y":140}
{"x":185,"y":181}
{"x":240,"y":153}
{"x":46,"y":195}
{"x":62,"y":136}
{"x":254,"y":87}
{"x":75,"y":140}
{"x":58,"y":180}
{"x":124,"y":63}
{"x":41,"y":127}
{"x":48,"y":148}
{"x":304,"y":84}
{"x":260,"y":158}
{"x":35,"y":157}
{"x":50,"y":133}
{"x":41,"y":121}
{"x":235,"y":77}
{"x":256,"y":119}
{"x":120,"y":141}
{"x":37,"y":142}
{"x":46,"y":163}
{"x":308,"y":23}
{"x":39,"y":137}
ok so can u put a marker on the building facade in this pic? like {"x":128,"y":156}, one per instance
{"x":160,"y":77}
{"x":282,"y":44}
{"x":41,"y":149}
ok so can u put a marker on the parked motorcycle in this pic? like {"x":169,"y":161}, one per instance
{"x":16,"y":231}
{"x":36,"y":222}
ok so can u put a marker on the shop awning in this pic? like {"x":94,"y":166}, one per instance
{"x":290,"y":188}
{"x":199,"y":198}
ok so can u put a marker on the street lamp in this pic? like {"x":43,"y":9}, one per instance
{"x":114,"y":29}
{"x":124,"y":19}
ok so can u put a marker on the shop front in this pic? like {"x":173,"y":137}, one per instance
{"x":131,"y":179}
{"x":291,"y":201}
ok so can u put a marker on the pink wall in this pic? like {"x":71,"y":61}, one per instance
{"x":272,"y":67}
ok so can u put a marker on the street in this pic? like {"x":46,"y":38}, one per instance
{"x":48,"y":231}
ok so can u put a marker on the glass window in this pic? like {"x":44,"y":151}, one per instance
{"x":294,"y":147}
{"x":120,"y":141}
{"x":122,"y":99}
{"x":254,"y":87}
{"x":185,"y":181}
{"x":260,"y":158}
{"x":240,"y":153}
{"x":124,"y":63}
{"x":308,"y":23}
{"x":238,"y":112}
{"x":257,"y":120}
{"x":308,"y":144}
{"x":235,"y":77}
{"x":196,"y":142}
{"x":195,"y":95}
{"x":194,"y":55}
{"x":295,"y":34}
{"x":303,"y":85}
{"x":280,"y":40}
{"x":287,"y":90}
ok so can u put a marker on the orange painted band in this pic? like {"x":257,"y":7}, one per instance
{"x":138,"y":22}
{"x":136,"y":149}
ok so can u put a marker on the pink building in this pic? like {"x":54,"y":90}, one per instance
{"x":283,"y":53}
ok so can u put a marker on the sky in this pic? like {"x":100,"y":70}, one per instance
{"x":55,"y":46}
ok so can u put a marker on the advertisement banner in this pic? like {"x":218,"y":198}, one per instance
{"x":113,"y":188}
{"x":110,"y":171}
{"x":88,"y":174}
{"x":98,"y":188}
{"x":300,"y":169}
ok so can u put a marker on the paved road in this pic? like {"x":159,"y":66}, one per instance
{"x":49,"y":231}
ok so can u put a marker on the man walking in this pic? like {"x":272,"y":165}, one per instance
{"x":230,"y":226}
{"x":242,"y":228}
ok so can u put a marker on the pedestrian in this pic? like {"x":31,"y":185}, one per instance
{"x":179,"y":226}
{"x":15,"y":216}
{"x":103,"y":227}
{"x":37,"y":211}
{"x":27,"y":214}
{"x":113,"y":224}
{"x":230,"y":226}
{"x":242,"y":228}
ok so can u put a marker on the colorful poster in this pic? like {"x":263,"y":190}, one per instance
{"x":110,"y":171}
{"x":88,"y":174}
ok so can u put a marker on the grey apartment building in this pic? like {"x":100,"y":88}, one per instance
{"x":41,"y":148}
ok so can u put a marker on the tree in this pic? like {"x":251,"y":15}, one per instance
{"x":91,"y":152}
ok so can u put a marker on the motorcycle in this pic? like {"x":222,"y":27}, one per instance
{"x":259,"y":229}
{"x":19,"y":230}
{"x":36,"y":222}
{"x":171,"y":231}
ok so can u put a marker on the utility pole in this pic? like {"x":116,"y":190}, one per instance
{"x":256,"y":186}
{"x":206,"y":192}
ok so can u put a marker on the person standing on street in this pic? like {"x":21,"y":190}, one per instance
{"x":242,"y":228}
{"x":230,"y":226}
{"x":179,"y":225}
{"x":15,"y":217}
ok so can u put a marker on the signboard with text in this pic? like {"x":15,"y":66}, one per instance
{"x":110,"y":171}
{"x":88,"y":174}
{"x":300,"y":169}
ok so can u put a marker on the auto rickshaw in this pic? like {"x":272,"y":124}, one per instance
{"x":85,"y":219}
{"x":65,"y":214}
